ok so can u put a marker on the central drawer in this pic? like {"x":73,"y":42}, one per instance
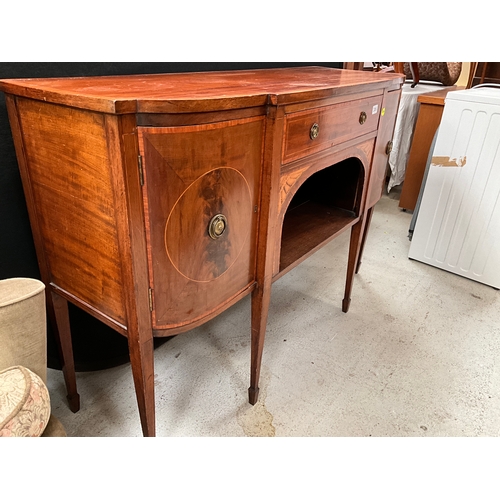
{"x":314,"y":130}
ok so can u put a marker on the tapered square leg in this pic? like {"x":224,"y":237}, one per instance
{"x":261,"y":298}
{"x":57,"y":310}
{"x":354,"y":252}
{"x":142,"y":361}
{"x":369,"y":214}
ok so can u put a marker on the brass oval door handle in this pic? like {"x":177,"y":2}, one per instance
{"x":217,"y":226}
{"x":362,"y":117}
{"x":388,"y":148}
{"x":314,"y":132}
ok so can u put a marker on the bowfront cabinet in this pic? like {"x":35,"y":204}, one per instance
{"x":158,"y":201}
{"x":201,"y":196}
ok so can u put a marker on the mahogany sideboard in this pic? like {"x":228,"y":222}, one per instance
{"x":158,"y":201}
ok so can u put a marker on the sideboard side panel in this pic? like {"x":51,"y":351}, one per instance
{"x":380,"y":156}
{"x":67,"y":158}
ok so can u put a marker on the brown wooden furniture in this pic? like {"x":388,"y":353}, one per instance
{"x":429,"y":117}
{"x":353,"y":65}
{"x":158,"y":201}
{"x":485,"y":73}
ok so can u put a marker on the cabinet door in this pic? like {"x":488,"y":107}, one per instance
{"x":380,"y":156}
{"x":201,"y":197}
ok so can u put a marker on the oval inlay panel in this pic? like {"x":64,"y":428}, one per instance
{"x":189,"y":246}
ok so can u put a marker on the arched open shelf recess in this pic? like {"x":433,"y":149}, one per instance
{"x":326,"y":204}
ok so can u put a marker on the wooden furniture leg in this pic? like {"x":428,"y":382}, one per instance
{"x":134,"y":271}
{"x":57,"y":310}
{"x":142,"y":361}
{"x":261,"y":295}
{"x":414,"y":73}
{"x":261,"y":298}
{"x":354,"y":250}
{"x":369,"y":214}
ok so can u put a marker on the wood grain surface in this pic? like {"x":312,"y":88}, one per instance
{"x":194,"y":92}
{"x":202,"y":171}
{"x":68,"y":169}
{"x":123,"y":176}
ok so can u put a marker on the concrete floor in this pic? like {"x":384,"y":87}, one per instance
{"x":416,"y":355}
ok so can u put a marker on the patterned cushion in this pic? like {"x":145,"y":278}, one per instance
{"x":446,"y":73}
{"x":24,"y":403}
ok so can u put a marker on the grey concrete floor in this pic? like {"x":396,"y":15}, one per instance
{"x":416,"y":355}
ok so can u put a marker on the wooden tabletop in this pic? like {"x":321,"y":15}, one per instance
{"x":437,"y":96}
{"x":190,"y":92}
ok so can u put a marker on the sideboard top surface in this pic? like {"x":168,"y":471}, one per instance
{"x":198,"y":92}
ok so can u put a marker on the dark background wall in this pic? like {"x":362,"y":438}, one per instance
{"x":95,"y":345}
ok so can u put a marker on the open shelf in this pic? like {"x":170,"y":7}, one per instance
{"x":323,"y":207}
{"x":308,"y":227}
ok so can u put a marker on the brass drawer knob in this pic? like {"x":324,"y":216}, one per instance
{"x":388,"y":148}
{"x":217,"y":226}
{"x":362,"y":117}
{"x":314,"y":132}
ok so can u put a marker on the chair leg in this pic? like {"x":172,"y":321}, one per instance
{"x":414,"y":73}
